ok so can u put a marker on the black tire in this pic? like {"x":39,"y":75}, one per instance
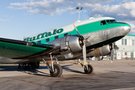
{"x":57,"y":71}
{"x":90,"y":69}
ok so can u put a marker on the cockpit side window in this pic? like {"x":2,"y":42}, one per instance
{"x":108,"y":21}
{"x":103,"y":22}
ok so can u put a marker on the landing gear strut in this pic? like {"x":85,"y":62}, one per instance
{"x":55,"y":69}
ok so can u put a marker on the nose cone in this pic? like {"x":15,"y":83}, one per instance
{"x":125,"y":30}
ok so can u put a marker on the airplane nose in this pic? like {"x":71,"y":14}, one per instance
{"x":125,"y":30}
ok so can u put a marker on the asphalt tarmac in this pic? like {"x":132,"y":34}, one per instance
{"x":119,"y":75}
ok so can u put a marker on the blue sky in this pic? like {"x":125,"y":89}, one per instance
{"x":23,"y":18}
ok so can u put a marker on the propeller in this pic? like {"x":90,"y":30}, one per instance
{"x":114,"y":47}
{"x":88,"y":39}
{"x":83,"y":47}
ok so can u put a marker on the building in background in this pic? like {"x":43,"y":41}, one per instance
{"x":126,"y":48}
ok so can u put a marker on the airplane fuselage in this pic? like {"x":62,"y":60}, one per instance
{"x":85,"y":28}
{"x":99,"y":32}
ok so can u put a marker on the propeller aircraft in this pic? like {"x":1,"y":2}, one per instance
{"x":93,"y":37}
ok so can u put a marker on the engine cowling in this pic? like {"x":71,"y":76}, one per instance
{"x":68,"y":45}
{"x":71,"y":43}
{"x":105,"y":50}
{"x":102,"y":51}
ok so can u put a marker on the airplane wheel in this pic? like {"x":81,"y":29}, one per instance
{"x":90,"y":69}
{"x":57,"y":71}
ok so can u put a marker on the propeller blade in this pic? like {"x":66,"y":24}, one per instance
{"x":116,"y":47}
{"x":84,"y":53}
{"x":76,"y":29}
{"x":89,"y":38}
{"x":112,"y":54}
{"x":84,"y":46}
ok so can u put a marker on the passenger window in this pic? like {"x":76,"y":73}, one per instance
{"x":65,"y":34}
{"x":56,"y":37}
{"x":39,"y":42}
{"x":103,"y":22}
{"x":47,"y":40}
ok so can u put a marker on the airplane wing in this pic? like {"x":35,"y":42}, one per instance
{"x":17,"y":49}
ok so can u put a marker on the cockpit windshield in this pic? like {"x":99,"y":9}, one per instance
{"x":104,"y":22}
{"x":111,"y":21}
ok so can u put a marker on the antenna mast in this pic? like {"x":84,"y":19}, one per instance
{"x":79,"y":11}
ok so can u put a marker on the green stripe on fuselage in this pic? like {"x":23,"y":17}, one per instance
{"x":85,"y":29}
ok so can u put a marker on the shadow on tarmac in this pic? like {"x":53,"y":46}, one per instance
{"x":27,"y":71}
{"x":35,"y":72}
{"x":65,"y":67}
{"x":121,"y":72}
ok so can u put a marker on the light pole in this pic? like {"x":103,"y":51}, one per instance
{"x":79,"y":11}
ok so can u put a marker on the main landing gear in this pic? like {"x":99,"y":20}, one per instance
{"x":57,"y":72}
{"x":88,"y":69}
{"x":55,"y":69}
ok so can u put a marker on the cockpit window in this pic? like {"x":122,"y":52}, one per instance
{"x":111,"y":21}
{"x":103,"y":22}
{"x":108,"y":21}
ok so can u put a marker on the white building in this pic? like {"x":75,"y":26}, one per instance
{"x":126,"y":48}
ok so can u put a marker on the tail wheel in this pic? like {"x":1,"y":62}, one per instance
{"x":89,"y":70}
{"x":57,"y":71}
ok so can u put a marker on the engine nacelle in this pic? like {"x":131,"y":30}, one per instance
{"x":71,"y":43}
{"x":102,"y":51}
{"x":105,"y":50}
{"x":68,"y":45}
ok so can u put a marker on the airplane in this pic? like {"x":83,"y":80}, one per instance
{"x":93,"y":37}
